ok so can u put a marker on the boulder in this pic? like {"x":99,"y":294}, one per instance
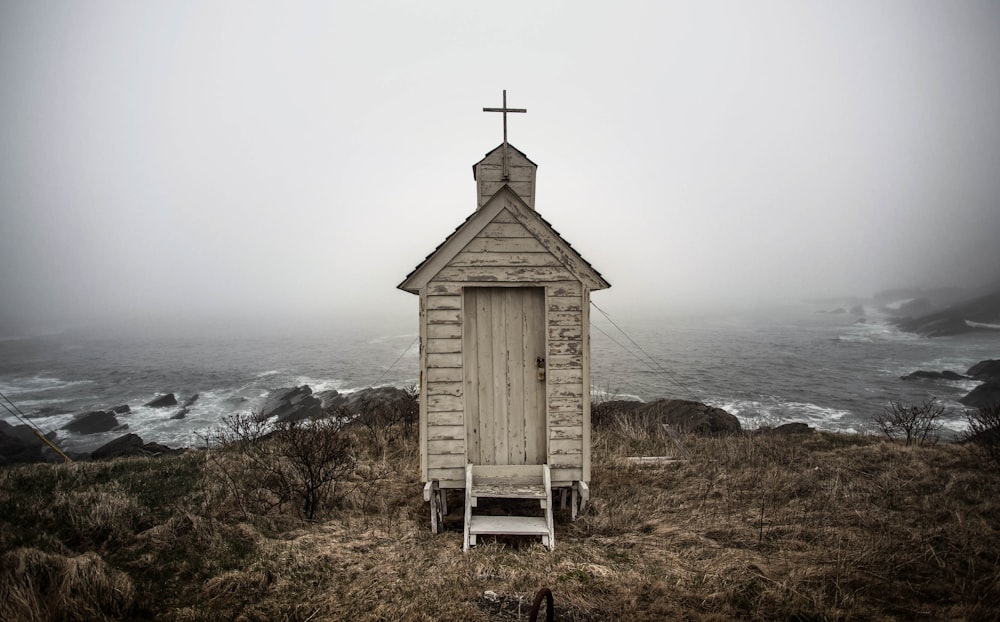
{"x":121,"y":410}
{"x":163,"y":401}
{"x":985,"y":370}
{"x":291,"y":404}
{"x":358,"y":399}
{"x":795,"y":427}
{"x":20,"y":445}
{"x":180,"y":414}
{"x":130,"y":445}
{"x":127,"y":445}
{"x":982,"y":396}
{"x":933,"y":375}
{"x":93,"y":422}
{"x":191,"y":400}
{"x":331,"y":399}
{"x":691,"y":416}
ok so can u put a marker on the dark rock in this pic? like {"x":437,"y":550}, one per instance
{"x":985,"y":370}
{"x":331,"y":399}
{"x":954,"y":320}
{"x":20,"y":445}
{"x":933,"y":375}
{"x":795,"y":427}
{"x":982,"y":396}
{"x":915,"y":307}
{"x":691,"y":416}
{"x":131,"y":445}
{"x":358,"y":399}
{"x":191,"y":400}
{"x":121,"y":410}
{"x":291,"y":404}
{"x":128,"y":445}
{"x":180,"y":414}
{"x":163,"y":401}
{"x":156,"y":449}
{"x":93,"y":422}
{"x":49,"y":411}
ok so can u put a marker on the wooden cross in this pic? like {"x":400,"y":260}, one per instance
{"x":505,"y":110}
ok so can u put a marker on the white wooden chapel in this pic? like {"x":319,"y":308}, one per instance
{"x":504,"y":355}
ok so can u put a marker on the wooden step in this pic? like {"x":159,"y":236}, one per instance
{"x":500,"y":489}
{"x":509,"y":525}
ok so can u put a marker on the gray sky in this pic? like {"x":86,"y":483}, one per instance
{"x":300,"y":158}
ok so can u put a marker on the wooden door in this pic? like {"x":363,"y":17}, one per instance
{"x":503,"y":339}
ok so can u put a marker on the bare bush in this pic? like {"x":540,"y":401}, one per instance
{"x":380,"y":416}
{"x":984,"y":430}
{"x":916,"y":425}
{"x":305,"y":462}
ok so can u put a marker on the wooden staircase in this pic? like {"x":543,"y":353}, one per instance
{"x":530,"y":481}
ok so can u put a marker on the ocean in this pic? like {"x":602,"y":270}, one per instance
{"x":767,"y":367}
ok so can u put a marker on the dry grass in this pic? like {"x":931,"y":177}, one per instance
{"x":814,"y":527}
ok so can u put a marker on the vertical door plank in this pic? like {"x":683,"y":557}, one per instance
{"x":484,"y":333}
{"x":516,"y":299}
{"x":470,"y":350}
{"x":501,"y":375}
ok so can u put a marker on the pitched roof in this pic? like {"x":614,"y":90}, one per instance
{"x":505,"y":198}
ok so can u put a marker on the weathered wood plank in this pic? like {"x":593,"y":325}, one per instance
{"x":501,"y":378}
{"x":438,"y":461}
{"x":569,"y":288}
{"x":564,"y":303}
{"x":560,"y":447}
{"x":566,"y":376}
{"x":504,"y":216}
{"x":565,"y":405}
{"x":472,"y":390}
{"x":565,"y":333}
{"x":504,"y":259}
{"x":490,"y":187}
{"x":565,"y":361}
{"x":565,"y":419}
{"x":502,"y":274}
{"x":446,"y":418}
{"x":438,"y":288}
{"x":444,"y":374}
{"x":571,"y":432}
{"x":447,"y":474}
{"x":505,"y":245}
{"x":565,"y":473}
{"x":444,"y":346}
{"x":504,"y":230}
{"x":565,"y":318}
{"x":444,"y":316}
{"x":444,"y":302}
{"x":566,"y":390}
{"x":445,"y":447}
{"x":444,"y":403}
{"x":444,"y":360}
{"x":534,"y":335}
{"x":515,"y":304}
{"x":444,"y":388}
{"x":574,"y":346}
{"x":444,"y":331}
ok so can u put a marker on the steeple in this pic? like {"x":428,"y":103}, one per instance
{"x":505,"y":165}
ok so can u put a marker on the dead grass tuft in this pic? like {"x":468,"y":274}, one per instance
{"x":38,"y":586}
{"x":755,"y":527}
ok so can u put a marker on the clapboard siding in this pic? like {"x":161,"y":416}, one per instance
{"x":446,"y":418}
{"x":445,"y":432}
{"x":444,"y":346}
{"x":444,"y":374}
{"x":501,"y":274}
{"x":460,"y":421}
{"x":444,"y":302}
{"x":505,"y":259}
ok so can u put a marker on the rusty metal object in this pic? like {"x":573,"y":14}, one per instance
{"x":545,"y":593}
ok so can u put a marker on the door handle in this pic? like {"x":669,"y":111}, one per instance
{"x":540,"y":363}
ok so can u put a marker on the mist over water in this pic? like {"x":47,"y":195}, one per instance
{"x":766,"y":366}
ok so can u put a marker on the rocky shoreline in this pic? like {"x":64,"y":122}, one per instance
{"x":987,"y":372}
{"x":20,"y":444}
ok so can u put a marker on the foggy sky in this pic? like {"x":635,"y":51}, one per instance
{"x":294,"y":159}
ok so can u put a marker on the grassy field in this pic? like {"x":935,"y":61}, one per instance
{"x":755,"y":527}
